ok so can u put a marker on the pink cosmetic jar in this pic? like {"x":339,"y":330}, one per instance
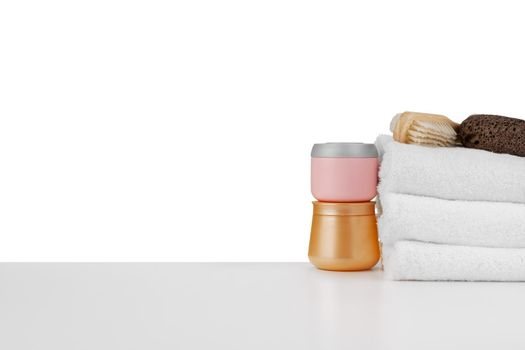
{"x":344,"y":172}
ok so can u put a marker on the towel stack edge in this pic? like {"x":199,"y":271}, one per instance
{"x":451,"y":213}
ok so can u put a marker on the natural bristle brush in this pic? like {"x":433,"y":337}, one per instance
{"x":424,"y":129}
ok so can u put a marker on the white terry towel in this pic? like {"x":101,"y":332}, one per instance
{"x":471,"y":223}
{"x":450,"y":172}
{"x":408,"y":260}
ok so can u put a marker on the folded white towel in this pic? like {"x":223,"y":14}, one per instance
{"x":450,"y":173}
{"x":471,"y":223}
{"x":408,"y":260}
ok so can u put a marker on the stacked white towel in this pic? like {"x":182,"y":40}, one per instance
{"x":451,"y":213}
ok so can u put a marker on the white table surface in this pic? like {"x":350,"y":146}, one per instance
{"x":248,"y":306}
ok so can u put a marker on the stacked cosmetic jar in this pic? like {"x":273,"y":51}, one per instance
{"x":344,"y":229}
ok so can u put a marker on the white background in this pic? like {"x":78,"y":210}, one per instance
{"x":181,"y":131}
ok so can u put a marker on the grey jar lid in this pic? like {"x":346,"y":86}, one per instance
{"x":344,"y":150}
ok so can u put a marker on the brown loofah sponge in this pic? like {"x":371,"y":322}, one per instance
{"x":494,"y":133}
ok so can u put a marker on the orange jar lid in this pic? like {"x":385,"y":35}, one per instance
{"x":344,"y":209}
